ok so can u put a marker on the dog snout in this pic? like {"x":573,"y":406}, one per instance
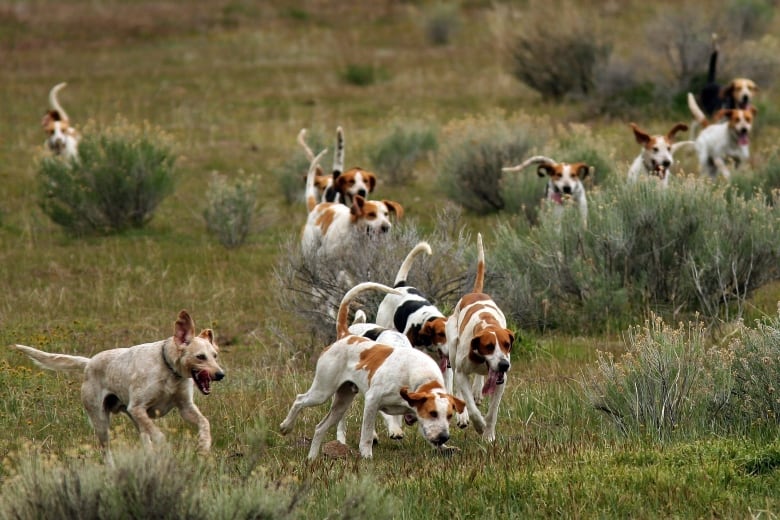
{"x":666,"y":163}
{"x":219,"y":376}
{"x":440,"y":439}
{"x":362,"y":192}
{"x":384,"y":228}
{"x":567,"y":189}
{"x":503,"y":365}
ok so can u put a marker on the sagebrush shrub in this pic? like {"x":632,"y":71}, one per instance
{"x":312,"y":288}
{"x":691,"y":247}
{"x":474,"y":150}
{"x":441,"y":23}
{"x":121,"y":176}
{"x":230,"y":209}
{"x":395,"y":156}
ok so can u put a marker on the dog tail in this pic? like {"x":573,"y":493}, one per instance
{"x":342,"y":329}
{"x":698,"y":115}
{"x":54,"y":102}
{"x":479,"y":282}
{"x":338,"y":157}
{"x":403,"y":272}
{"x":712,"y":72}
{"x":61,"y":362}
{"x":536,"y":159}
{"x":311,"y":191}
{"x":302,"y":142}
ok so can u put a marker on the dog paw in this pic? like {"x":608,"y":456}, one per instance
{"x":396,"y":436}
{"x":479,"y":425}
{"x":285,"y":428}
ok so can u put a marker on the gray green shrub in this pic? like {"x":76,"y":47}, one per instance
{"x":121,"y":176}
{"x":230,"y":209}
{"x":395,"y":156}
{"x":441,"y":23}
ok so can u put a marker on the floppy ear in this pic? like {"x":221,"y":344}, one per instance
{"x":753,"y":110}
{"x":753,"y":87}
{"x":640,"y":135}
{"x":371,"y":178}
{"x":207,"y":334}
{"x":474,"y":354}
{"x":511,"y":337}
{"x":412,"y":398}
{"x":727,"y":91}
{"x":679,"y":127}
{"x":582,"y":169}
{"x":545,"y":169}
{"x":394,"y":207}
{"x":183,"y":329}
{"x":459,"y":404}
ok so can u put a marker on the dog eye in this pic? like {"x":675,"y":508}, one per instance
{"x":434,"y":415}
{"x":202,"y":357}
{"x":655,"y":149}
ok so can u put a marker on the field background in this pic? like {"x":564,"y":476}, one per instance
{"x":233,"y":82}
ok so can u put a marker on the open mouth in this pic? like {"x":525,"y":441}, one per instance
{"x":203,"y":381}
{"x":444,"y":362}
{"x":743,"y":139}
{"x":494,"y":379}
{"x":659,"y":171}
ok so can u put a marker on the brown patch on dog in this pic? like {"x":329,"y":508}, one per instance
{"x":356,"y":339}
{"x":423,"y":400}
{"x":372,"y":358}
{"x":326,"y":217}
{"x":432,"y":332}
{"x":394,"y":207}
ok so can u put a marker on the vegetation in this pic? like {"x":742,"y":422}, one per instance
{"x":231,"y":83}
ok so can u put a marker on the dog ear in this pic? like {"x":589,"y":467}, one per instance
{"x":207,"y":334}
{"x":474,"y":354}
{"x":371,"y":178}
{"x":679,"y":127}
{"x":357,"y":206}
{"x":394,"y":207}
{"x":545,"y":169}
{"x":412,"y":398}
{"x":458,"y":404}
{"x":581,"y":169}
{"x":752,"y":87}
{"x":640,"y":135}
{"x":723,"y":113}
{"x":511,"y":337}
{"x":183,"y":329}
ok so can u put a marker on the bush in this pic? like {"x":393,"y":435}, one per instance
{"x":291,"y":174}
{"x":472,"y":154}
{"x":764,"y":179}
{"x":362,"y":75}
{"x":311,"y":289}
{"x":442,"y":22}
{"x":120,"y":178}
{"x":748,"y":18}
{"x":660,"y":383}
{"x":230,"y":209}
{"x":557,"y":59}
{"x":396,"y":155}
{"x":688,"y":248}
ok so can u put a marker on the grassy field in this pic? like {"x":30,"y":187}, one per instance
{"x":233,"y":82}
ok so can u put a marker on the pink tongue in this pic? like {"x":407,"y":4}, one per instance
{"x":743,"y":140}
{"x":556,"y":197}
{"x":443,"y":363}
{"x":490,"y":384}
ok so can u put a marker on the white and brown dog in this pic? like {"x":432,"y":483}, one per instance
{"x":657,"y":155}
{"x":479,"y":347}
{"x":722,"y":141}
{"x":63,"y":139}
{"x":397,"y":381}
{"x":145,"y":381}
{"x":341,"y":186}
{"x":331,"y":227}
{"x":564,"y":181}
{"x":409,"y":312}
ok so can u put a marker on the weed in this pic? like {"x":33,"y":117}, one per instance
{"x":230,"y":209}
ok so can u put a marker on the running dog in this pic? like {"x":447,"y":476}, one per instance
{"x":145,"y":381}
{"x":657,"y":153}
{"x":479,"y":345}
{"x":63,"y":139}
{"x":397,"y":381}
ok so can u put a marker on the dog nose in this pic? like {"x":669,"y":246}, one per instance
{"x":667,"y":163}
{"x":567,"y":189}
{"x":441,"y":439}
{"x":219,"y":376}
{"x":503,"y":365}
{"x":362,"y":192}
{"x":385,"y":228}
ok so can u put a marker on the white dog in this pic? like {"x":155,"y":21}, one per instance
{"x":63,"y":139}
{"x":727,"y":140}
{"x":657,"y":154}
{"x":565,"y":181}
{"x":479,"y":345}
{"x":397,"y":381}
{"x":332,"y":227}
{"x":145,"y":381}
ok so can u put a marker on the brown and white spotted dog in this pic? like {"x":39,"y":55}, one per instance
{"x":341,"y":186}
{"x":479,"y":346}
{"x":739,"y":93}
{"x":397,"y":381}
{"x":726,"y":140}
{"x":657,"y":154}
{"x":145,"y":381}
{"x":331,"y":226}
{"x":564,"y":181}
{"x":62,"y":139}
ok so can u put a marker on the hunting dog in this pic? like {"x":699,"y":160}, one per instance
{"x":564,"y":181}
{"x":738,"y":93}
{"x":63,"y":139}
{"x":145,"y":381}
{"x":397,"y":381}
{"x":331,"y":227}
{"x":722,"y":141}
{"x":657,"y":153}
{"x":410,"y":313}
{"x":341,"y":186}
{"x":479,"y":345}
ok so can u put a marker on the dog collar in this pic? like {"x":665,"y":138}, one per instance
{"x":168,"y":364}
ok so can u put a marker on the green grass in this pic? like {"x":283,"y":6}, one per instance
{"x":232,"y":83}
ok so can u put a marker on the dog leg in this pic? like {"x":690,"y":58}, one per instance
{"x":370,"y":409}
{"x":341,"y":401}
{"x":315,"y":396}
{"x":192,"y":415}
{"x":150,"y":434}
{"x":476,"y":388}
{"x":394,"y":426}
{"x":471,"y":411}
{"x":101,"y":421}
{"x":492,"y":414}
{"x":720,"y":166}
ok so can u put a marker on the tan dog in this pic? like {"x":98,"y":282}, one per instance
{"x":62,"y":140}
{"x":479,"y":345}
{"x":397,"y":381}
{"x":145,"y":381}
